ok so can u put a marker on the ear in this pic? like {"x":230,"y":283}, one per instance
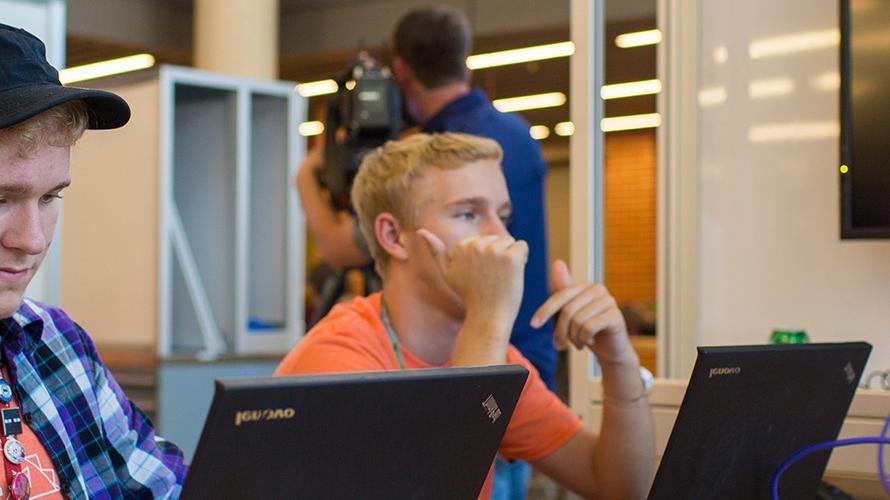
{"x":388,"y":231}
{"x":401,"y":71}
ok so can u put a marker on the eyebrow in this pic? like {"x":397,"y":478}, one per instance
{"x":478,"y":201}
{"x":24,"y":188}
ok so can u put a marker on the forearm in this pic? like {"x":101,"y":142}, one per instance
{"x":482,"y":340}
{"x":333,"y":234}
{"x":624,"y":457}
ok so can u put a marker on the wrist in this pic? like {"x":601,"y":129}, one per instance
{"x":482,"y":341}
{"x":489,"y":319}
{"x":493,"y":318}
{"x":626,"y":382}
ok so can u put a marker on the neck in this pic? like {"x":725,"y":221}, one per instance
{"x":431,"y":101}
{"x":423,"y":329}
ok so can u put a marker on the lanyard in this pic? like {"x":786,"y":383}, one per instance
{"x":11,"y":419}
{"x":393,"y":338}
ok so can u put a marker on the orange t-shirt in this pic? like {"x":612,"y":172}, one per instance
{"x":352,"y":338}
{"x":37,"y":465}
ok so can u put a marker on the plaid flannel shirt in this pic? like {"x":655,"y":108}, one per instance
{"x":101,"y":445}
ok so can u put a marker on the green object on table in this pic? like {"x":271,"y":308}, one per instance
{"x":789,"y":337}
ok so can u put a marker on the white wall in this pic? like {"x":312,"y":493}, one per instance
{"x":770,"y":252}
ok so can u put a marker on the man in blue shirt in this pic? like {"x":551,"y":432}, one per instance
{"x":431,"y":46}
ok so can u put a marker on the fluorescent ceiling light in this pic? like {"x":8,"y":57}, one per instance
{"x":773,"y":87}
{"x":523,"y":55}
{"x":106,"y":68}
{"x":779,"y":132}
{"x":539,"y":132}
{"x":793,"y":43}
{"x":630,"y":89}
{"x":711,"y":96}
{"x":320,"y":87}
{"x":307,"y":129}
{"x":827,"y":81}
{"x":638,"y":39}
{"x":630,"y":122}
{"x":564,"y":129}
{"x":534,"y":101}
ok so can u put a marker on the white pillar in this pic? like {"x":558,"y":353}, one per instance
{"x":237,"y":37}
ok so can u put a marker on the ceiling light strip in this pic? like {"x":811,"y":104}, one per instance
{"x":630,"y":122}
{"x":106,"y":68}
{"x":539,"y":132}
{"x":630,"y":89}
{"x":638,"y":39}
{"x":316,"y":88}
{"x":308,"y":129}
{"x":522,"y":55}
{"x":526,"y":102}
{"x":564,"y":129}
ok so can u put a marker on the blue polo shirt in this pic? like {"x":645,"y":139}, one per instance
{"x":525,"y":171}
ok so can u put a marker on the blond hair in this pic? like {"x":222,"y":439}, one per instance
{"x":387,"y":174}
{"x":60,"y":126}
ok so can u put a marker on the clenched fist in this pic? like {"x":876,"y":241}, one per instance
{"x":486,"y":272}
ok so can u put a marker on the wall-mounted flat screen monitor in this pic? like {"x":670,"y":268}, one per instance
{"x":865,"y":119}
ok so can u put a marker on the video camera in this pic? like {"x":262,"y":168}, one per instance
{"x":365,"y":113}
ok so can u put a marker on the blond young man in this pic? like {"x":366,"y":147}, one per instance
{"x":67,"y":429}
{"x":434,"y":210}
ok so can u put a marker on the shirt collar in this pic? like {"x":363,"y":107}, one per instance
{"x":472,"y":99}
{"x":25,"y":319}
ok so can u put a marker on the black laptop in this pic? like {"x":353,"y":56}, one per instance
{"x":747,"y":409}
{"x":424,"y":434}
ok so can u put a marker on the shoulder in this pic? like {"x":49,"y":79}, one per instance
{"x":522,"y":160}
{"x":350,"y":338}
{"x":50,"y":324}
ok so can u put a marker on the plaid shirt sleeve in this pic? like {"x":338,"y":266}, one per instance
{"x":145,"y":460}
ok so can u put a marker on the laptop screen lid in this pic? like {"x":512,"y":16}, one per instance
{"x":397,"y":434}
{"x":747,"y":408}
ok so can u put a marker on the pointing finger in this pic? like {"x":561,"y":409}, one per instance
{"x":555,"y":303}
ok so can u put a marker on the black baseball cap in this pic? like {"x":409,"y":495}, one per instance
{"x":29,"y":85}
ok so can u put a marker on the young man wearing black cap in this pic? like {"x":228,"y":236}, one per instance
{"x":68,"y":430}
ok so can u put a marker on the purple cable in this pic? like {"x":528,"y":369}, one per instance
{"x":879,"y":440}
{"x":881,"y":471}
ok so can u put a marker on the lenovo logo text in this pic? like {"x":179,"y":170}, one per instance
{"x":263,"y":415}
{"x":724,"y":370}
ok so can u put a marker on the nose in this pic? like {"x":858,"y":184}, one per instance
{"x":496,"y":227}
{"x":25,"y":230}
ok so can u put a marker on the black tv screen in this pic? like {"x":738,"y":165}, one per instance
{"x":865,"y":119}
